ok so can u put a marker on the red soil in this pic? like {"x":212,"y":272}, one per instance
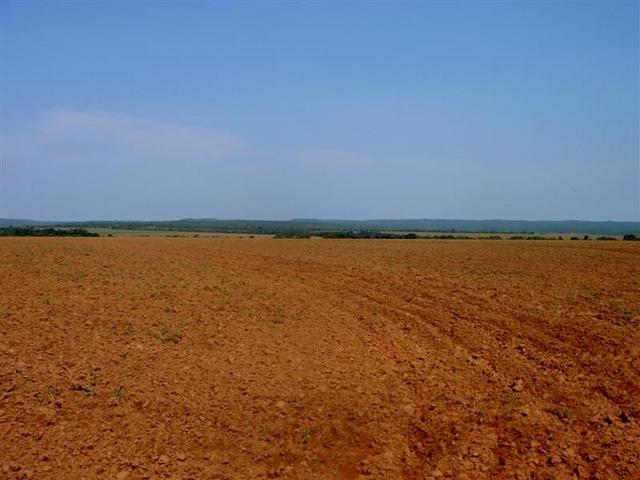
{"x":261,"y":358}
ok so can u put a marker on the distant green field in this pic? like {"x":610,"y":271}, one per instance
{"x":121,"y":232}
{"x":506,"y":236}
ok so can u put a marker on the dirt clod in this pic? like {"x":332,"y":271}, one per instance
{"x":518,"y":385}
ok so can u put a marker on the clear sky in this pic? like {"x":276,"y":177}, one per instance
{"x":513,"y":110}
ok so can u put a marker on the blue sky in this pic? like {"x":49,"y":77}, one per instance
{"x":515,"y":110}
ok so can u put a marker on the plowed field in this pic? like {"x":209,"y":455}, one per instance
{"x":248,"y":358}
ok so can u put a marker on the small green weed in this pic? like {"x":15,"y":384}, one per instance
{"x":305,"y":434}
{"x":89,"y":391}
{"x":118,"y":395}
{"x":167,"y":336}
{"x":563,"y":413}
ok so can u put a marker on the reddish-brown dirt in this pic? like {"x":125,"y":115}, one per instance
{"x":248,"y":358}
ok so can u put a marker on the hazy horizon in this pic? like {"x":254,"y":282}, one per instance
{"x":117,"y":111}
{"x":336,"y":219}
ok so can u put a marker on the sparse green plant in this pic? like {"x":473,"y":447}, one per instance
{"x":53,"y":392}
{"x":167,"y":336}
{"x":118,"y":395}
{"x":305,"y":434}
{"x":563,"y":412}
{"x":615,"y":303}
{"x":89,"y":391}
{"x":623,"y":309}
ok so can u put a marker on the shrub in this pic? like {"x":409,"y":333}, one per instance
{"x":290,"y":235}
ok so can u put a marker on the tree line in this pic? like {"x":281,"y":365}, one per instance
{"x":45,"y":232}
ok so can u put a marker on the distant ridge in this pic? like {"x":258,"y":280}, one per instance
{"x":22,"y":222}
{"x":309,"y":225}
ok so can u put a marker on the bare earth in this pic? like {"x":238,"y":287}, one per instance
{"x":246,"y":358}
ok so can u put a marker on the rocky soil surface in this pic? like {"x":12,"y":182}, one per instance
{"x":243,"y":358}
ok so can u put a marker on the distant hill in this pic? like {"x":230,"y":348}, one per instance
{"x":21,"y":222}
{"x":310,"y":225}
{"x":508,"y":226}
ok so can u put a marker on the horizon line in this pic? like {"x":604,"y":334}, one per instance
{"x":316,"y":219}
